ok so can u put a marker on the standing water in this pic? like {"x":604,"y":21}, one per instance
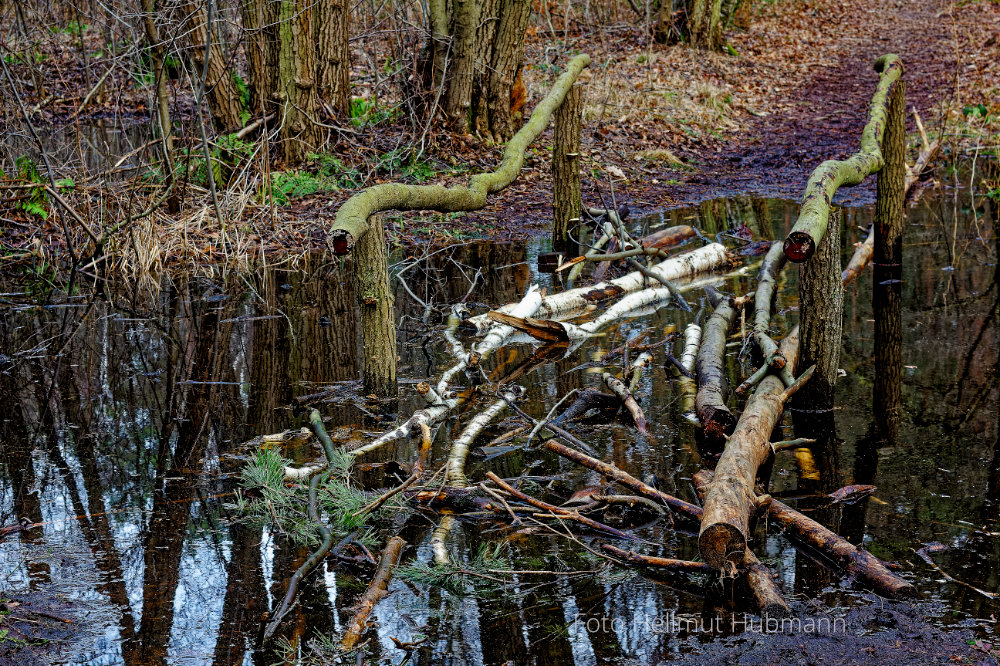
{"x":128,"y":417}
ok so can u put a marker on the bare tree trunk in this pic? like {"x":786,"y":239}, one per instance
{"x":262,"y":51}
{"x":162,"y":98}
{"x":567,"y":202}
{"x":462,"y":63}
{"x":220,"y":85}
{"x":375,"y":303}
{"x":296,"y":87}
{"x":333,"y":58}
{"x":704,"y":24}
{"x":888,"y":259}
{"x":502,"y":64}
{"x":821,"y":310}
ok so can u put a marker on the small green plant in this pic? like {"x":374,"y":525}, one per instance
{"x":244,"y":92}
{"x":74,"y":28}
{"x":369,"y":112}
{"x":402,"y":163}
{"x":35,"y":202}
{"x":264,"y":498}
{"x":473,"y":577}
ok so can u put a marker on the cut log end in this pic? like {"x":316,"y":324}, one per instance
{"x":799,"y":246}
{"x":718,"y":422}
{"x":341,"y":242}
{"x":722,"y":545}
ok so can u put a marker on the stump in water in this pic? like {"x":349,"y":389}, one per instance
{"x":821,"y":310}
{"x":567,"y":202}
{"x":375,"y":305}
{"x":887,"y":271}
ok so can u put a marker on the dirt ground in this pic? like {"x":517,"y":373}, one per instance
{"x":664,"y":126}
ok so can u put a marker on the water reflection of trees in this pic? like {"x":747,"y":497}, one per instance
{"x":129,"y":409}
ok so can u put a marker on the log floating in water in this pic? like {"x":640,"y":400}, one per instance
{"x":730,"y":500}
{"x":859,"y":563}
{"x":710,"y":367}
{"x":377,"y":589}
{"x":765,"y":591}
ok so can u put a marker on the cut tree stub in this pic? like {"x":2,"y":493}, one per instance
{"x":799,"y":246}
{"x":341,"y":242}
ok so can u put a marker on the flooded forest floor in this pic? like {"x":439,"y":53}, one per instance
{"x":132,"y":409}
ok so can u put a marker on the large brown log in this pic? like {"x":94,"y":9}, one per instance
{"x":669,"y":237}
{"x":710,"y":367}
{"x":730,"y":500}
{"x":765,"y":591}
{"x":377,"y":589}
{"x":858,"y":563}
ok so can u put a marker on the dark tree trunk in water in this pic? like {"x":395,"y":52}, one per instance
{"x":375,"y":303}
{"x":567,"y":200}
{"x":821,"y":309}
{"x":887,"y":272}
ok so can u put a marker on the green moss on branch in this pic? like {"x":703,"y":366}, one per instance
{"x":352,"y":218}
{"x":829,"y":176}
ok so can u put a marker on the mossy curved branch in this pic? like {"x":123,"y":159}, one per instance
{"x":352,"y":217}
{"x":829,"y":176}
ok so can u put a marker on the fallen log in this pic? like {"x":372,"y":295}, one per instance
{"x":701,"y":260}
{"x":858,"y":563}
{"x":669,"y":237}
{"x":377,"y":589}
{"x":767,"y":279}
{"x":352,"y":217}
{"x":677,"y":566}
{"x":730,"y":500}
{"x":688,"y":386}
{"x":710,"y":368}
{"x":765,"y":591}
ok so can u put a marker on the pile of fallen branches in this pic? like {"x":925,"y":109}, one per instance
{"x":731,"y":493}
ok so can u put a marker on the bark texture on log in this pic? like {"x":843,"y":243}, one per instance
{"x":802,"y":240}
{"x":667,"y":238}
{"x":888,"y":259}
{"x":762,"y":584}
{"x":767,"y":289}
{"x":821,"y":310}
{"x":351,"y":222}
{"x":713,"y":387}
{"x":863,"y":254}
{"x":858,"y":563}
{"x":375,"y":304}
{"x":730,"y":500}
{"x":333,"y":54}
{"x":377,"y":589}
{"x":567,"y":202}
{"x":760,"y":579}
